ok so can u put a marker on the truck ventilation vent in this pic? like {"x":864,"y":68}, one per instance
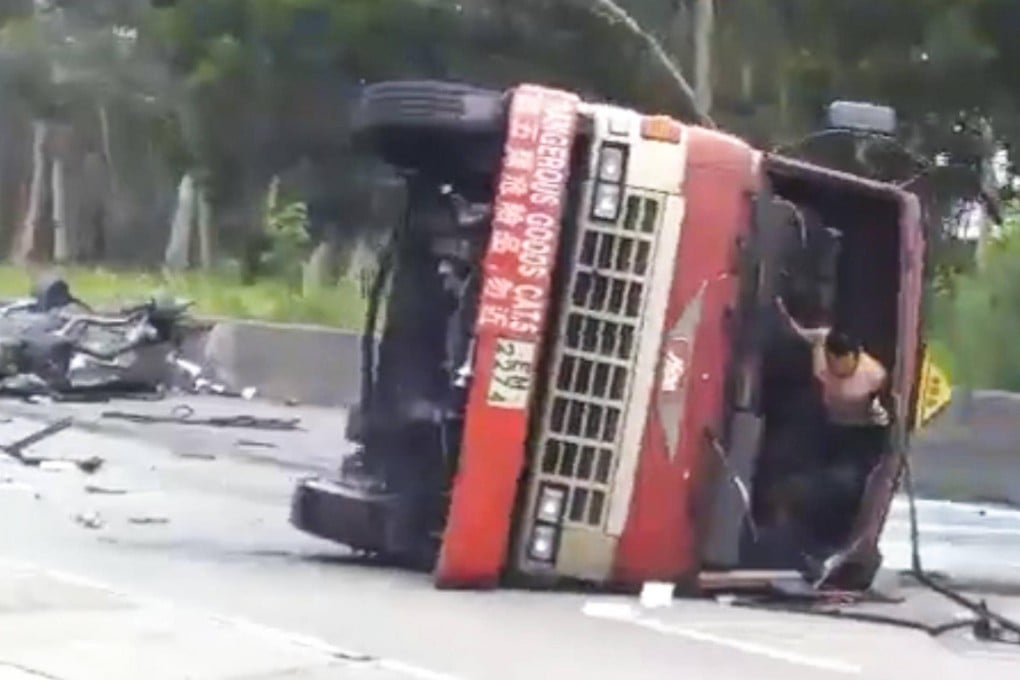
{"x":593,"y":358}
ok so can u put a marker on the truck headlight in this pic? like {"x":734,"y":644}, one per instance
{"x":542,"y":546}
{"x":612,"y":159}
{"x":551,"y":500}
{"x":606,"y":202}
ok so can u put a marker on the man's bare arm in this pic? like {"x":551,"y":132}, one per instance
{"x":813,"y":336}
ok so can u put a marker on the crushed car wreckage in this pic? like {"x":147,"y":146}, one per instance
{"x":55,"y":345}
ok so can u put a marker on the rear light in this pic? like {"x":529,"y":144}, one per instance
{"x":605,"y":204}
{"x":551,"y":500}
{"x":661,"y":129}
{"x":612,"y":159}
{"x":542,"y":546}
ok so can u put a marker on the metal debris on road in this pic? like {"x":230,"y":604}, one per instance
{"x":89,"y":520}
{"x":251,"y":443}
{"x":148,"y":520}
{"x":16,"y":449}
{"x":89,"y":465}
{"x":104,"y":490}
{"x":195,"y":456}
{"x":185,"y":415}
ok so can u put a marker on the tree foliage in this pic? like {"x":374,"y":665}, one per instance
{"x":236,"y":91}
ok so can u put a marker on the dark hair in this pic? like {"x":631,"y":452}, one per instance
{"x":840,"y":343}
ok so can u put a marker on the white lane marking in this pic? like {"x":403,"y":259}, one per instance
{"x":279,"y":635}
{"x":628,"y":614}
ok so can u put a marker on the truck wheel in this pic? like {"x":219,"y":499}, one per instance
{"x":447,"y":130}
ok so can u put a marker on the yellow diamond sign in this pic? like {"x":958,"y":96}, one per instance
{"x":933,"y":394}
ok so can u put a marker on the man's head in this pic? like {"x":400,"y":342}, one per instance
{"x":842,"y":352}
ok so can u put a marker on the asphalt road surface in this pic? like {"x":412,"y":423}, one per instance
{"x":175,"y":560}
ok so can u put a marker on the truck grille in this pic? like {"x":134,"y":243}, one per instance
{"x":593,"y":358}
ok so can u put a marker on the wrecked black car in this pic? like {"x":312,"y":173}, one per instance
{"x":52,"y":343}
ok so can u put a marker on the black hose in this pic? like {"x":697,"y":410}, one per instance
{"x":981,"y":624}
{"x":917,"y":570}
{"x":867,"y":617}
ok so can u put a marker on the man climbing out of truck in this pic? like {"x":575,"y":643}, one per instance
{"x":852,"y":385}
{"x":852,"y":380}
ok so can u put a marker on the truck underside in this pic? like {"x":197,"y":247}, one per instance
{"x":829,"y":247}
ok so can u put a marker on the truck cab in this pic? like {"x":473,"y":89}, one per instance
{"x":581,"y":376}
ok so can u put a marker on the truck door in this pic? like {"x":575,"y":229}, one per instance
{"x":883,"y":479}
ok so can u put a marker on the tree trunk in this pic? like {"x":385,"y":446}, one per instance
{"x":94,"y":185}
{"x":704,"y":17}
{"x":784,"y":106}
{"x":680,"y":37}
{"x":104,"y":131}
{"x":15,"y":152}
{"x":206,"y":242}
{"x":62,"y":251}
{"x":36,"y":232}
{"x":320,"y":270}
{"x":747,"y":81}
{"x":178,"y":249}
{"x":984,"y":235}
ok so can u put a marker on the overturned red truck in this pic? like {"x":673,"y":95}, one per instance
{"x":581,"y":376}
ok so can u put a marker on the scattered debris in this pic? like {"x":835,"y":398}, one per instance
{"x":256,"y":444}
{"x":104,"y":490}
{"x":195,"y":455}
{"x":143,"y":521}
{"x":90,"y":465}
{"x":16,"y":449}
{"x":89,"y":520}
{"x":655,"y":595}
{"x":199,"y":383}
{"x":185,"y":415}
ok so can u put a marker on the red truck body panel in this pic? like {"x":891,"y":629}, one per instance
{"x":660,"y":541}
{"x":517,"y":284}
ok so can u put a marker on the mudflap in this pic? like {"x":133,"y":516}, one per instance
{"x":362,"y":518}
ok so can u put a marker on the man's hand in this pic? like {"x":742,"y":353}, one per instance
{"x":879,"y":413}
{"x":811,"y":335}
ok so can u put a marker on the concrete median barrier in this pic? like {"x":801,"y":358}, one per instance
{"x":310,"y":364}
{"x":971,"y":453}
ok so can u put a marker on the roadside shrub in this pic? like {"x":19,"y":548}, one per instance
{"x":287,"y":242}
{"x":978,"y":322}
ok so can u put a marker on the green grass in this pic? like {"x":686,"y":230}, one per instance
{"x":220,"y":294}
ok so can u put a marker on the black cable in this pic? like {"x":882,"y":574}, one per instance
{"x":981,"y":624}
{"x":868,"y":617}
{"x":917,"y":570}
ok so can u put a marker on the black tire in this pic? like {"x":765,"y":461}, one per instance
{"x":449,"y":130}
